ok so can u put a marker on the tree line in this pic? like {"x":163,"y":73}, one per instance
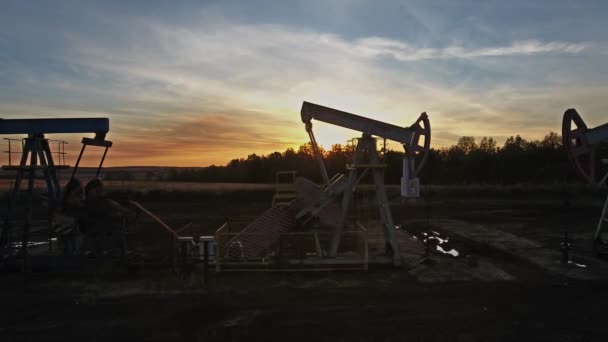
{"x":469,"y":161}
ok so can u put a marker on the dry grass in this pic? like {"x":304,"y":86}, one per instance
{"x":146,"y":186}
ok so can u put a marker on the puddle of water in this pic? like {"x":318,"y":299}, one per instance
{"x":29,"y":244}
{"x":441,"y":242}
{"x":570,"y":262}
{"x":451,"y":252}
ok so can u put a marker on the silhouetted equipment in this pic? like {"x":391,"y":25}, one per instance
{"x":367,"y":159}
{"x":409,"y":137}
{"x":314,"y":208}
{"x":581,"y":144}
{"x":185,"y":251}
{"x":36,"y":156}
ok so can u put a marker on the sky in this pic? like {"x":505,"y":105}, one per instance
{"x":195,"y":83}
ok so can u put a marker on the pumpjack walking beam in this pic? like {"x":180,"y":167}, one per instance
{"x":580,"y":142}
{"x":36,"y":156}
{"x":409,"y":137}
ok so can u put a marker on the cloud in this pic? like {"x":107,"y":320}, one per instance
{"x":208,"y":92}
{"x":271,"y":67}
{"x":377,"y":46}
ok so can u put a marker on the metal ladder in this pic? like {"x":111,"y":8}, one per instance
{"x":258,"y":236}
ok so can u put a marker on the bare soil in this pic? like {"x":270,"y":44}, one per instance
{"x":440,"y":300}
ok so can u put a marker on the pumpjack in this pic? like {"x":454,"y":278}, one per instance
{"x":581,"y":143}
{"x":36,"y":157}
{"x":328,"y":204}
{"x":366,"y":158}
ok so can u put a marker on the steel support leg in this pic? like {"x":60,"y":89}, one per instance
{"x":603,"y":221}
{"x":44,"y":162}
{"x":346,"y":202}
{"x":13,"y":197}
{"x":385,"y":211}
{"x":52,"y":170}
{"x":30,"y":200}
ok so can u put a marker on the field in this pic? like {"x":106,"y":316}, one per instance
{"x":506,"y":284}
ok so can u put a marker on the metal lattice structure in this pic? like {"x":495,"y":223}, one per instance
{"x":37,"y":157}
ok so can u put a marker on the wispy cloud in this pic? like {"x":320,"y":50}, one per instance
{"x":377,"y":47}
{"x":208,"y":90}
{"x":270,"y":67}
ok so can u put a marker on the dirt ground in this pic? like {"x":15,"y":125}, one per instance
{"x":506,"y":284}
